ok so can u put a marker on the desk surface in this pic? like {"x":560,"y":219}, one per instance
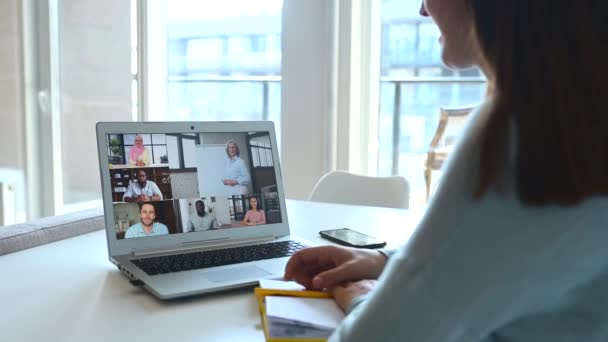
{"x":69,"y":291}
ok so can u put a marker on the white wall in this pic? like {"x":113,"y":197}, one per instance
{"x":95,"y":62}
{"x":12,"y":118}
{"x":307,"y":94}
{"x":11,"y":97}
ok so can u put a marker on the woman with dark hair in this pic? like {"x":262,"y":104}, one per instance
{"x":255,"y":214}
{"x":513,"y":245}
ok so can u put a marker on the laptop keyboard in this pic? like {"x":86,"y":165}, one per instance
{"x":218,"y":257}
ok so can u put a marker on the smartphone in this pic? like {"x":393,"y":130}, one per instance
{"x":351,"y":238}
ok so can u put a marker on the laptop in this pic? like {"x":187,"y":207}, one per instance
{"x":194,"y":207}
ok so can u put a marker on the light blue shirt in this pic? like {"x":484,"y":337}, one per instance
{"x":491,"y":269}
{"x":237,"y":170}
{"x":137,"y":230}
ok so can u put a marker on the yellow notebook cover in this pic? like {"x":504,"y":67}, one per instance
{"x":261,"y":293}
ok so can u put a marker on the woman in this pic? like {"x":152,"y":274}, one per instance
{"x":513,"y":245}
{"x":237,"y":176}
{"x":139,"y":155}
{"x":254,"y":215}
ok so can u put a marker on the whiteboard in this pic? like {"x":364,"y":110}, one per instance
{"x":211,"y":165}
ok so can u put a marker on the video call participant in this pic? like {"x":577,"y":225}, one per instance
{"x":254,"y":215}
{"x":237,"y":175}
{"x":201,"y":220}
{"x":147,"y":226}
{"x":139,"y":154}
{"x":142,"y":190}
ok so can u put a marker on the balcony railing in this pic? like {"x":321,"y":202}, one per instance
{"x":397,"y":104}
{"x":397,"y":101}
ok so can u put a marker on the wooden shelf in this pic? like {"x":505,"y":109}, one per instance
{"x":121,"y":177}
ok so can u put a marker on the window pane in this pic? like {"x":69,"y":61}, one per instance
{"x":173,"y":152}
{"x":269,"y":157}
{"x":255,"y":154}
{"x":217,"y":101}
{"x":263,"y":161}
{"x":224,"y":60}
{"x":96,"y":86}
{"x":189,"y":153}
{"x":158,"y":139}
{"x":199,"y":54}
{"x":411,"y":57}
{"x":160,"y":154}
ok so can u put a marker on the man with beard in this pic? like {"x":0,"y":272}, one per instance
{"x":142,"y":190}
{"x":202,"y":220}
{"x":147,"y":226}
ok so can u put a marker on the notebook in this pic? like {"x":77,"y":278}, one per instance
{"x":289,"y":312}
{"x":194,"y":207}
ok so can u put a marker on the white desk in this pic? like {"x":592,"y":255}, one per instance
{"x":69,"y":291}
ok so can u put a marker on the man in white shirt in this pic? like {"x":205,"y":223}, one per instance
{"x":142,"y":190}
{"x":202,"y":220}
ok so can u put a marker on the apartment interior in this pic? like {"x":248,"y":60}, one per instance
{"x":303,"y":64}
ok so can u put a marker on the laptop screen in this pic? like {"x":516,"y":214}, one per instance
{"x":179,"y":183}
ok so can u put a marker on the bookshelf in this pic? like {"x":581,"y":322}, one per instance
{"x":121,"y":178}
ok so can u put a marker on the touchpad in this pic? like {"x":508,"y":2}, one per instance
{"x":235,"y":273}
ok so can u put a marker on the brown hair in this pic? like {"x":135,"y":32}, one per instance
{"x":257,"y":201}
{"x":550,"y":77}
{"x":141,"y":206}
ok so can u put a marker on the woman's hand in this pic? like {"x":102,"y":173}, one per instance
{"x":346,"y":292}
{"x":327,"y":266}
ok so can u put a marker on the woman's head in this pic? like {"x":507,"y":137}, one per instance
{"x":546,"y":60}
{"x":253,"y":203}
{"x":455,"y":22}
{"x":139,"y":140}
{"x":232,"y":149}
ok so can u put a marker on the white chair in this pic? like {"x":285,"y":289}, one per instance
{"x":348,"y":188}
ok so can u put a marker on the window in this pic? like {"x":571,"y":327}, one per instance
{"x":181,"y":148}
{"x":210,"y":54}
{"x":413,"y":85}
{"x":223,"y":60}
{"x":261,"y":151}
{"x":94,"y":80}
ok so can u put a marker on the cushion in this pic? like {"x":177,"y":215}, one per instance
{"x":34,"y":233}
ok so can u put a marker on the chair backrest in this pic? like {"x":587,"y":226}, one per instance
{"x":348,"y":188}
{"x":449,"y":127}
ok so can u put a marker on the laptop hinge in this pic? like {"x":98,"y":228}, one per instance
{"x":206,"y":245}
